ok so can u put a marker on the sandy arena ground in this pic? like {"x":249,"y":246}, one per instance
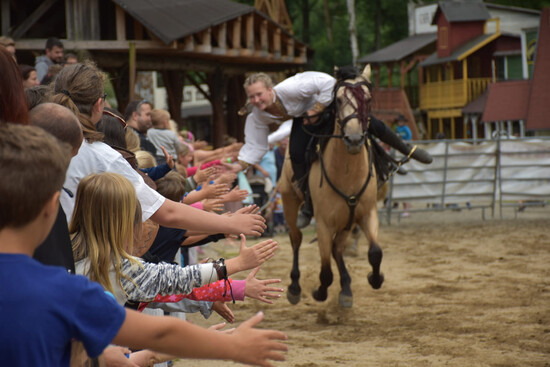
{"x":458,"y":291}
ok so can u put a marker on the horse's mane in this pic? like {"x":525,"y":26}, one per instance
{"x":346,"y":72}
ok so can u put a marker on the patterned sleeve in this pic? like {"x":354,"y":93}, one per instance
{"x":217,"y":291}
{"x":149,"y":280}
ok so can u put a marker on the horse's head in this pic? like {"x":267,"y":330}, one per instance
{"x":352,"y":96}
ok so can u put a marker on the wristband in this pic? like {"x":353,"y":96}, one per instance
{"x":244,"y":164}
{"x":220,"y":268}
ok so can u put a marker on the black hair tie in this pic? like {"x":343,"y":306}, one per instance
{"x":66,"y":92}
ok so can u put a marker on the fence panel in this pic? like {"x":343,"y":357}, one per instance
{"x":474,"y":175}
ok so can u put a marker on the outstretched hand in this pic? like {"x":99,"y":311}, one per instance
{"x":258,"y":289}
{"x":251,"y":257}
{"x":235,"y":194}
{"x":258,"y":346}
{"x":247,"y":224}
{"x":249,"y":209}
{"x":168,"y":157}
{"x":203,"y":175}
{"x":221,"y":309}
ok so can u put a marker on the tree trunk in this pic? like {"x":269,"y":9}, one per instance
{"x":377,"y":24}
{"x":328,"y":22}
{"x":217,"y":83}
{"x":353,"y":32}
{"x":236,"y":98}
{"x":305,"y":21}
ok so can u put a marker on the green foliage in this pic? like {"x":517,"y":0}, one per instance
{"x":393,"y":25}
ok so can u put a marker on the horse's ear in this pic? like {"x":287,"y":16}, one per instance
{"x":366,"y":72}
{"x":335,"y":71}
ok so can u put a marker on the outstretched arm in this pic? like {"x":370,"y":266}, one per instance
{"x":169,"y":335}
{"x":178,"y":215}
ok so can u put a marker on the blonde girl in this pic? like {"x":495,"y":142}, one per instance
{"x":102,"y":229}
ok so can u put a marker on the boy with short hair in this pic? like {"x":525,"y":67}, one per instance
{"x":44,"y":308}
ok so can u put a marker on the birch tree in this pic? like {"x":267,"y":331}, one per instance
{"x":353,"y":32}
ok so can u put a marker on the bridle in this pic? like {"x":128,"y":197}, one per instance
{"x":361,"y":112}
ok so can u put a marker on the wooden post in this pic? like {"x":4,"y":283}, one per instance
{"x":217,"y":85}
{"x":377,"y":76}
{"x":236,"y":98}
{"x":277,"y":43}
{"x":264,"y":44}
{"x":453,"y":127}
{"x":236,"y":37}
{"x":120,"y":23}
{"x":249,"y":43}
{"x":221,"y":36}
{"x":132,"y":69}
{"x":465,"y":80}
{"x":173,"y":81}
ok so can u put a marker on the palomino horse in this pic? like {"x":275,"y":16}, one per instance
{"x":343,"y":188}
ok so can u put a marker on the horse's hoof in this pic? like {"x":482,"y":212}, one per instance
{"x":375,"y":280}
{"x":320,"y":296}
{"x":293,"y":298}
{"x":345,"y":301}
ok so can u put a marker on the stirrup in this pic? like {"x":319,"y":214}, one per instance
{"x":303,"y":220}
{"x":305,"y":214}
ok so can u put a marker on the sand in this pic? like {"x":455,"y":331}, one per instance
{"x":458,"y":291}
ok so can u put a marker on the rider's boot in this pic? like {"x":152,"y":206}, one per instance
{"x":306,"y":212}
{"x":389,"y":137}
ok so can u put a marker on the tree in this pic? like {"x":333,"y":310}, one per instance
{"x":353,"y":32}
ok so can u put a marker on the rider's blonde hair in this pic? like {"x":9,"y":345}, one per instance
{"x":258,"y":77}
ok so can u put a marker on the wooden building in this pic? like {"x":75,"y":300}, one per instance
{"x":522,"y":107}
{"x":446,"y":64}
{"x":219,"y":40}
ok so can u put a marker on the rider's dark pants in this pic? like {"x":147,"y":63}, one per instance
{"x":301,"y":145}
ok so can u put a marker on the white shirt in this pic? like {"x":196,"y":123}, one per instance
{"x":98,"y":157}
{"x":297,"y":94}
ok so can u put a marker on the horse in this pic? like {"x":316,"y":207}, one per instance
{"x":343,"y":189}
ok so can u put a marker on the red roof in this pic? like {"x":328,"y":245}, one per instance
{"x":538,"y":113}
{"x":507,"y":101}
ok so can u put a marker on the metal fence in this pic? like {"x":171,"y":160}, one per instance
{"x":467,"y":174}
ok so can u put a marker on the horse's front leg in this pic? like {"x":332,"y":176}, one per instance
{"x":294,"y":290}
{"x":290,"y":208}
{"x":369,"y":225}
{"x":324,"y":239}
{"x":345,"y":299}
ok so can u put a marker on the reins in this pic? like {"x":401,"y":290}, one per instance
{"x":351,"y":200}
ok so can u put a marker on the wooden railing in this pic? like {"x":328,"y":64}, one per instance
{"x":451,"y":93}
